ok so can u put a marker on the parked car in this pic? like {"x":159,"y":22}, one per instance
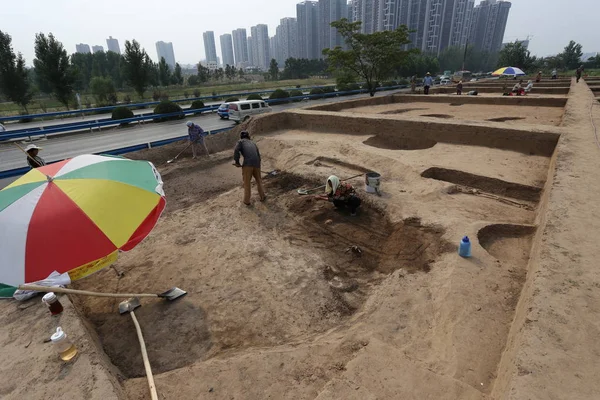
{"x":223,"y":111}
{"x":444,"y":81}
{"x":242,"y":110}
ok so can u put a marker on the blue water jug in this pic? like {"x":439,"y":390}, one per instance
{"x":464,"y":250}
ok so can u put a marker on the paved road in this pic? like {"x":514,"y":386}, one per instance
{"x":66,"y":146}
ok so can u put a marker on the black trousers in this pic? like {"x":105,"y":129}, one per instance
{"x":426,"y":89}
{"x":351,"y":202}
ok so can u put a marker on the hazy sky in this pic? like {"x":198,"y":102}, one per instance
{"x":551,"y":23}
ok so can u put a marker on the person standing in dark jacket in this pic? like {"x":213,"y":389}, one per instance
{"x":251,"y":166}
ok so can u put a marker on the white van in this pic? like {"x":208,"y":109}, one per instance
{"x":242,"y":110}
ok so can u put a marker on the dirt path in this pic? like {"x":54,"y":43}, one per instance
{"x":555,"y":352}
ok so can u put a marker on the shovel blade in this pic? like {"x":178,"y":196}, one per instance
{"x":172,"y":294}
{"x":129,"y":305}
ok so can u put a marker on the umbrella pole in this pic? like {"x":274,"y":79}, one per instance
{"x":39,"y":288}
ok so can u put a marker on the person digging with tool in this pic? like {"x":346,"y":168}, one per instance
{"x":341,"y":194}
{"x":196,"y":134}
{"x":251,"y":167}
{"x":33,"y":159}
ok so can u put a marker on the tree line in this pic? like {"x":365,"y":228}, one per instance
{"x":515,"y":54}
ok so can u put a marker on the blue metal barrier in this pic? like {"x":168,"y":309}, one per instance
{"x":123,"y":150}
{"x":138,"y":105}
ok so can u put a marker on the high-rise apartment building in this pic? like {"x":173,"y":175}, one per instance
{"x":97,"y":49}
{"x":227,"y":49}
{"x":308,"y":33}
{"x":210,"y":48}
{"x":274,"y":51}
{"x":287,"y":39}
{"x":261,"y":46}
{"x":434,"y":20}
{"x":328,"y":12}
{"x":370,"y":13}
{"x":460,"y":25}
{"x":165,"y":50}
{"x":240,"y":47}
{"x":488,"y":25}
{"x":83,"y":48}
{"x":113,"y":45}
{"x":434,"y":24}
{"x":251,"y":55}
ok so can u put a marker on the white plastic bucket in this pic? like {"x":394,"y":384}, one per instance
{"x":373,"y":182}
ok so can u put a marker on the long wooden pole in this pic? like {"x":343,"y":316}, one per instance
{"x":149,"y":375}
{"x":39,"y":288}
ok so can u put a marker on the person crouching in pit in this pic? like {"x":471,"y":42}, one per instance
{"x":341,"y":194}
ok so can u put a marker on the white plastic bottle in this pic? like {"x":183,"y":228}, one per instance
{"x":63,"y":346}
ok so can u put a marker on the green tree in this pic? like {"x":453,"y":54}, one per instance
{"x":241,"y":73}
{"x":53,"y":69}
{"x":137,"y":67}
{"x":516,"y":55}
{"x":452,"y":58}
{"x":302,"y":68}
{"x":113,"y":68}
{"x":15,"y":83}
{"x":228,"y":71}
{"x":373,"y":57}
{"x":571,"y":56}
{"x":419,"y":64}
{"x":164,"y":73}
{"x":193,"y":80}
{"x":203,"y":73}
{"x":274,"y":70}
{"x":99,"y":64}
{"x":177,"y":77}
{"x":103,"y":90}
{"x":219,"y":74}
{"x":82,"y":68}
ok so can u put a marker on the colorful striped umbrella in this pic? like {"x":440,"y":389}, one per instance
{"x":74,"y":216}
{"x":512,"y":71}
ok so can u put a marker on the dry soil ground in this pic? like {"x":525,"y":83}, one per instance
{"x":494,"y":113}
{"x":280,"y":306}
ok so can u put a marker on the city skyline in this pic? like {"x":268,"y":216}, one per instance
{"x":547,"y":39}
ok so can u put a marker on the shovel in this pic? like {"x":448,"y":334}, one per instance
{"x":171,"y":294}
{"x":182,"y":151}
{"x":275,"y":172}
{"x":128,"y":306}
{"x":303,"y":192}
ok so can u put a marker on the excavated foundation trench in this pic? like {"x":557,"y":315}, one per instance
{"x":484,"y":183}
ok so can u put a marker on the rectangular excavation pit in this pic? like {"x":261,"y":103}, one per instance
{"x":487,"y":89}
{"x":547,"y":101}
{"x":530,"y":141}
{"x":551,"y":116}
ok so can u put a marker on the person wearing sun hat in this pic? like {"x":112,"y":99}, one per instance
{"x":427,"y":83}
{"x":33,"y":159}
